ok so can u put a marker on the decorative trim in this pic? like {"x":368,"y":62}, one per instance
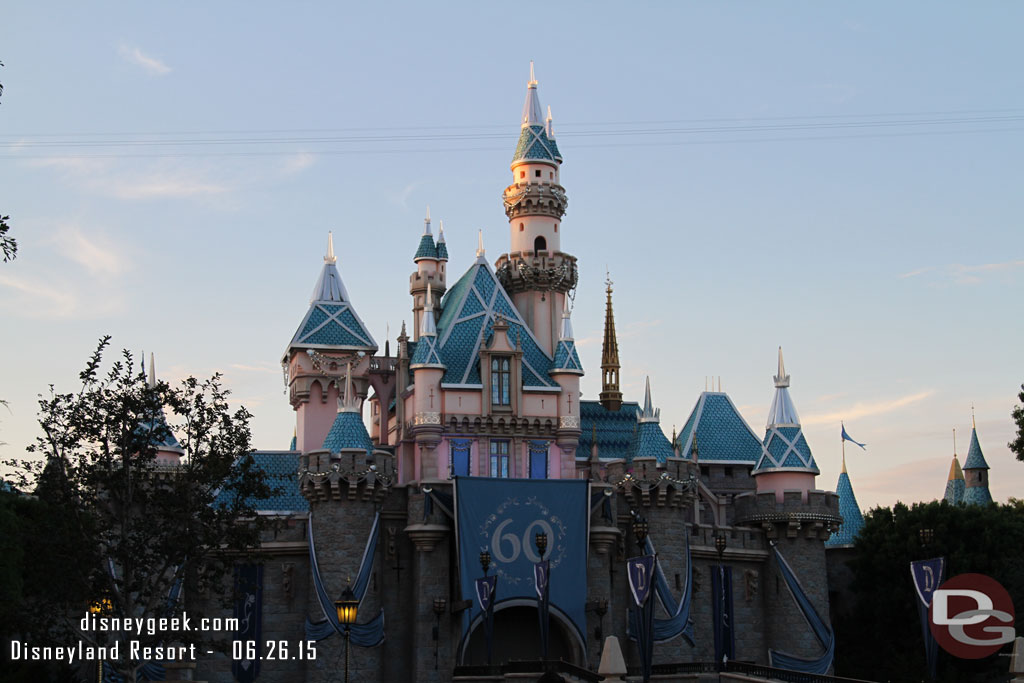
{"x":569,"y":422}
{"x":427,"y":418}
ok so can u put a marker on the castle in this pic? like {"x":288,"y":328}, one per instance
{"x":478,"y":437}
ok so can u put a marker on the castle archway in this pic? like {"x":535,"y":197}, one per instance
{"x":517,"y":636}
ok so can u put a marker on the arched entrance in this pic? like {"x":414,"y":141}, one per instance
{"x":517,"y":636}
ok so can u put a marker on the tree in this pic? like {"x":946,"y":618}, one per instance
{"x":8,"y":244}
{"x":881,"y":638}
{"x":125,"y":531}
{"x":1017,"y":445}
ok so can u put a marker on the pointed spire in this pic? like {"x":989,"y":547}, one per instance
{"x":955,"y":471}
{"x":329,"y":257}
{"x":781,"y":379}
{"x":426,"y":222}
{"x":349,"y":403}
{"x":427,"y":326}
{"x":566,"y":322}
{"x":648,"y":409}
{"x":610,"y":396}
{"x":481,"y":253}
{"x":550,"y":129}
{"x":844,"y":463}
{"x":442,"y":248}
{"x":152,"y":371}
{"x":440,"y":229}
{"x":531,"y":108}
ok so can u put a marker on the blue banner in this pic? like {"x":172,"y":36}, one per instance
{"x":928,"y":575}
{"x":503,"y":516}
{"x":249,"y":613}
{"x":640,"y":572}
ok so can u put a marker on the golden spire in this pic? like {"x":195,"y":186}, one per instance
{"x":611,"y":397}
{"x":954,"y":470}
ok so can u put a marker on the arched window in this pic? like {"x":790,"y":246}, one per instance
{"x":540,"y":244}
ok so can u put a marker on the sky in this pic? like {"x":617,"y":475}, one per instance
{"x":839,"y":179}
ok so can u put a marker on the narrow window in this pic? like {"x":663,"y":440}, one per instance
{"x":521,"y":226}
{"x":499,"y":459}
{"x":536,"y":174}
{"x":500,"y":379}
{"x":556,"y":227}
{"x":522,"y":174}
{"x":459,"y":458}
{"x":728,"y":471}
{"x":551,"y":174}
{"x":540,"y":244}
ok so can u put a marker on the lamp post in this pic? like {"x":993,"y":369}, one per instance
{"x":926,"y":536}
{"x":486,"y":590}
{"x":720,"y":543}
{"x":439,"y":605}
{"x":347,"y":606}
{"x":99,"y":608}
{"x":541,"y":580}
{"x":724,"y":648}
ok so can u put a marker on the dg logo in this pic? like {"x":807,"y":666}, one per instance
{"x":971,"y":616}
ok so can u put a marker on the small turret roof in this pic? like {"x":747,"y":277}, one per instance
{"x":442,"y":248}
{"x":348,"y":430}
{"x":566,"y":358}
{"x":975,"y":459}
{"x":535,"y":142}
{"x":853,"y":520}
{"x":784,"y":447}
{"x":331,"y":322}
{"x":650,"y":441}
{"x":955,"y":484}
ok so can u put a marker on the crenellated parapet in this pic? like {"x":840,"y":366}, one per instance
{"x":646,"y":483}
{"x":815,"y":517}
{"x":535,"y":199}
{"x":351,"y":474}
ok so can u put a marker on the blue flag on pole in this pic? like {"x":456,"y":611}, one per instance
{"x":846,"y":437}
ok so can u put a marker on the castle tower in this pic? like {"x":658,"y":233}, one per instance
{"x":786,"y":462}
{"x":976,"y":473}
{"x":610,"y":397}
{"x":955,"y":484}
{"x":650,"y":441}
{"x":427,"y":371}
{"x":431,"y":262}
{"x":798,"y":520}
{"x":567,"y":370}
{"x":535,"y":271}
{"x":330,"y":338}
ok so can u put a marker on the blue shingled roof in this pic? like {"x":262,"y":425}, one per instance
{"x":566,"y":357}
{"x":954,"y":492}
{"x":977,"y":495}
{"x":975,"y":460}
{"x":425,"y":353}
{"x":467,"y":315}
{"x":651,"y":442}
{"x":442,"y":251}
{"x":348,"y":431}
{"x":282,"y":475}
{"x":785,"y":448}
{"x":169,"y":442}
{"x":615,"y":430}
{"x":853,"y":520}
{"x":535,"y":145}
{"x":332,"y":324}
{"x":426,"y":249}
{"x":722,"y":433}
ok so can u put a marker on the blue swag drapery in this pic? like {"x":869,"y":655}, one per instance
{"x":678,"y":622}
{"x":369,"y":634}
{"x":821,"y":630}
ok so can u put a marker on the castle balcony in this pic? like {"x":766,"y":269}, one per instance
{"x":536,"y":271}
{"x":324,"y":475}
{"x":817,"y":517}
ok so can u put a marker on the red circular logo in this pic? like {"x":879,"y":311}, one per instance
{"x":971,"y":616}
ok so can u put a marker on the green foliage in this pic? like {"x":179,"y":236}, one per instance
{"x":119,"y":526}
{"x":1017,"y":445}
{"x":8,"y":244}
{"x":881,"y":638}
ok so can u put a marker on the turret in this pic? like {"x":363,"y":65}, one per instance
{"x":428,"y":369}
{"x":567,"y":370}
{"x":976,"y":473}
{"x":650,"y":441}
{"x":431,"y":263}
{"x":610,"y":397}
{"x":168,"y":450}
{"x":330,"y":338}
{"x":853,"y":519}
{"x":786,"y":462}
{"x":535,"y":271}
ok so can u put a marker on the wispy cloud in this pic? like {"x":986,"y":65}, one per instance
{"x":298,"y":162}
{"x":151,"y":65}
{"x":163,"y":181}
{"x":32,"y":297}
{"x":964,"y":274}
{"x":401,"y":198}
{"x":96,"y":253}
{"x":866,"y":408}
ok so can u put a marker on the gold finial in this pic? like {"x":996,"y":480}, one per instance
{"x":973,"y":426}
{"x":954,"y":442}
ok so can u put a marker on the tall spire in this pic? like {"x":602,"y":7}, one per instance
{"x":329,"y":256}
{"x":442,"y":248}
{"x":649,"y":414}
{"x":547,"y":124}
{"x":611,"y":397}
{"x":349,"y":403}
{"x":152,"y":371}
{"x":566,"y":322}
{"x":481,"y":254}
{"x":426,"y":222}
{"x":782,"y":412}
{"x":531,"y":108}
{"x":781,"y":379}
{"x":427,"y":326}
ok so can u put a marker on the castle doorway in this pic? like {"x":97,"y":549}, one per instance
{"x":517,"y":637}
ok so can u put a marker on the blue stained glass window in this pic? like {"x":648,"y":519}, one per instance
{"x":499,"y":459}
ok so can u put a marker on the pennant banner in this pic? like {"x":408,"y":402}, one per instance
{"x":640,"y":571}
{"x":927,"y":576}
{"x":249,"y":615}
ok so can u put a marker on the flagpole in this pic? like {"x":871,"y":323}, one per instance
{"x":843,"y":441}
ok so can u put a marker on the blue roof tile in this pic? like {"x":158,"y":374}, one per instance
{"x":426,"y":248}
{"x":651,"y":442}
{"x":614,"y":430}
{"x":535,"y":145}
{"x":954,"y":492}
{"x":348,"y":431}
{"x":281,"y":468}
{"x":977,"y":495}
{"x":722,"y":433}
{"x":975,"y":459}
{"x":853,"y":520}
